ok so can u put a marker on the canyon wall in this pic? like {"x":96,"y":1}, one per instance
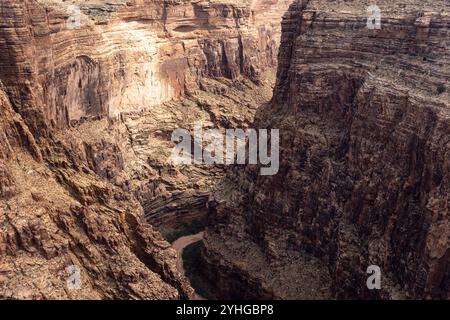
{"x":56,"y":213}
{"x":153,"y":65}
{"x":87,"y":113}
{"x":128,"y":56}
{"x":364,"y":119}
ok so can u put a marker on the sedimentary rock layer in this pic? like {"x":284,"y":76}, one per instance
{"x":87,"y":111}
{"x":364,"y":118}
{"x":56,"y":213}
{"x":128,"y":55}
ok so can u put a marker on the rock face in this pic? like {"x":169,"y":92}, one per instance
{"x":129,"y":55}
{"x":87,"y":109}
{"x":129,"y":60}
{"x":364,"y":177}
{"x":56,"y":213}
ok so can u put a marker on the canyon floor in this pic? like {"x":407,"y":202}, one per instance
{"x":179,"y":245}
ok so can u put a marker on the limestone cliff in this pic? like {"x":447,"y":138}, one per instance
{"x":86,"y":114}
{"x":128,"y":55}
{"x":364,"y":118}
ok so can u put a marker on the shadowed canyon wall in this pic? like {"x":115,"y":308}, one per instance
{"x":364,"y":175}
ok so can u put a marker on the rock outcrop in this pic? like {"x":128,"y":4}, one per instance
{"x":88,"y":106}
{"x":364,"y":119}
{"x":128,"y":56}
{"x":56,"y":214}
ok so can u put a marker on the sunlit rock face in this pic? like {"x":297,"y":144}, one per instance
{"x":364,"y":176}
{"x":61,"y":222}
{"x":126,"y":56}
{"x":86,"y":115}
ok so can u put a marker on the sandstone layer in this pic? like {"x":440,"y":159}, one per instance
{"x":56,"y":213}
{"x":364,"y":119}
{"x":87,"y":112}
{"x":128,"y":61}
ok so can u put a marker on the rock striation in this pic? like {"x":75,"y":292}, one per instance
{"x":87,"y":109}
{"x":364,"y":119}
{"x":129,"y":55}
{"x":56,"y":214}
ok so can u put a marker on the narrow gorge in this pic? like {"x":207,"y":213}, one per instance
{"x":92,"y":90}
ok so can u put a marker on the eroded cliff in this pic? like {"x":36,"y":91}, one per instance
{"x":364,"y":119}
{"x":56,"y":213}
{"x":128,"y":60}
{"x":87,"y":112}
{"x":88,"y":107}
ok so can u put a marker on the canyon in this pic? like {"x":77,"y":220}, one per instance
{"x":88,"y":108}
{"x":87,"y":114}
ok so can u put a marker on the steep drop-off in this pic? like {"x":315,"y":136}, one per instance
{"x":56,"y":213}
{"x":129,"y":61}
{"x":87,"y":113}
{"x":364,"y":119}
